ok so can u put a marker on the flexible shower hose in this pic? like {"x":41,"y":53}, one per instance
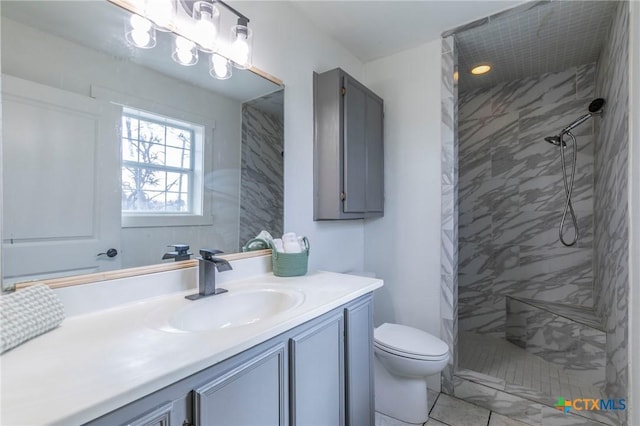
{"x":568,"y":188}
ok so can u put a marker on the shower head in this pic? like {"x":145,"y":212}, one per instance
{"x":555,"y":140}
{"x":596,"y":105}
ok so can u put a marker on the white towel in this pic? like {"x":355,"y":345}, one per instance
{"x":28,"y":313}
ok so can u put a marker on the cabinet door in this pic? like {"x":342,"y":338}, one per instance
{"x":375,"y":154}
{"x":359,"y":363}
{"x":250,"y":394}
{"x":355,"y":147}
{"x":316,"y":375}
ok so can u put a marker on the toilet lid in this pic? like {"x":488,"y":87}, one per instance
{"x":409,"y":340}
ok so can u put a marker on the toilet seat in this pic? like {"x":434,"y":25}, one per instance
{"x":409,"y":342}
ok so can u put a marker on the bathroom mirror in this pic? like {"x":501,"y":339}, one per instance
{"x":108,"y":146}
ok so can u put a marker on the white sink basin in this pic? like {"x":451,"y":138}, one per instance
{"x":232,"y":309}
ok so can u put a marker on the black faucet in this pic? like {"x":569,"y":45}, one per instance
{"x":207,"y":265}
{"x":181,"y":253}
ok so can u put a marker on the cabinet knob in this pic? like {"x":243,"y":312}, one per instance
{"x":343,"y":196}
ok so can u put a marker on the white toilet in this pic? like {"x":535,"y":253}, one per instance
{"x":404,"y":357}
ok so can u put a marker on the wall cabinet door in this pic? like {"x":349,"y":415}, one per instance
{"x":348,"y":148}
{"x":316,"y":374}
{"x":359,"y":363}
{"x":251,"y":394}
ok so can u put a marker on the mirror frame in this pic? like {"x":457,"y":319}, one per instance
{"x":133,"y":272}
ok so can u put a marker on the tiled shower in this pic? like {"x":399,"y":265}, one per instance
{"x":538,"y":320}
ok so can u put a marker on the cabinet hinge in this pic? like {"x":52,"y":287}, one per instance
{"x":343,"y":90}
{"x":343,"y":196}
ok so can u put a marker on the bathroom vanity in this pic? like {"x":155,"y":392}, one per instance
{"x":270,"y":351}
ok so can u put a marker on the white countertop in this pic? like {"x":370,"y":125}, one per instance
{"x":100,"y":361}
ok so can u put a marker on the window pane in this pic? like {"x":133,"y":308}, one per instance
{"x":151,"y":153}
{"x":151,"y":132}
{"x":177,"y":202}
{"x":178,"y":158}
{"x":179,"y":138}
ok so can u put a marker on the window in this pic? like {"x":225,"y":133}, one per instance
{"x":159,"y":167}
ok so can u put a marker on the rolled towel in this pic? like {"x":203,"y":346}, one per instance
{"x":290,"y":243}
{"x":277,"y":243}
{"x":28,"y":313}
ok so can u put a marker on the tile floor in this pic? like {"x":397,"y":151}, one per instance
{"x":449,"y":411}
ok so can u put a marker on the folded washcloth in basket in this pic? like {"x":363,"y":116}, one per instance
{"x":28,"y":313}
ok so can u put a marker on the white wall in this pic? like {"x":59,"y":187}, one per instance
{"x":403,"y":247}
{"x":290,"y":47}
{"x":634,"y":233}
{"x":33,"y":55}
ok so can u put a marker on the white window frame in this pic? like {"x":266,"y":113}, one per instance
{"x":203,"y":130}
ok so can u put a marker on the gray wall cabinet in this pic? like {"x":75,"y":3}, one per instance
{"x":348,"y":148}
{"x":317,"y":374}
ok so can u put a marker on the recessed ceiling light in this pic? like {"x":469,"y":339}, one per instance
{"x":480,"y":69}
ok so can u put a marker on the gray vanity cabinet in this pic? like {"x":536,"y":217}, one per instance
{"x":316,"y":374}
{"x":359,"y":363}
{"x":253,"y":393}
{"x":348,"y":148}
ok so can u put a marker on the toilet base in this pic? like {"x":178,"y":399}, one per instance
{"x":403,"y":398}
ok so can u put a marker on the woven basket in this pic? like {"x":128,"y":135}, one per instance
{"x":290,"y":264}
{"x":255,"y":244}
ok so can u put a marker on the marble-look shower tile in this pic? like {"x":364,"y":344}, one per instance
{"x":474,"y":228}
{"x":448,"y":68}
{"x":490,"y":195}
{"x":546,"y":120}
{"x":474,"y":169}
{"x":498,"y":131}
{"x":547,"y":193}
{"x":474,"y":104}
{"x":456,"y":412}
{"x":475,"y":260}
{"x":500,"y":420}
{"x":554,"y":417}
{"x":586,"y":81}
{"x":574,"y":293}
{"x":551,"y":264}
{"x":501,"y":402}
{"x":481,"y":318}
{"x":534,"y":91}
{"x":537,"y":228}
{"x":505,"y":257}
{"x":538,"y":158}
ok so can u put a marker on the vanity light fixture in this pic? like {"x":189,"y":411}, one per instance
{"x":195,"y":27}
{"x":480,"y":69}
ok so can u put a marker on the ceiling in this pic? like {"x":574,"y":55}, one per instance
{"x":550,"y":37}
{"x":378,"y":28}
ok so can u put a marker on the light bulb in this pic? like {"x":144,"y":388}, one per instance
{"x":185,"y":52}
{"x":140,"y":38}
{"x":139,"y":23}
{"x":140,"y":32}
{"x":240,"y":50}
{"x":220,"y":67}
{"x":206,"y":32}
